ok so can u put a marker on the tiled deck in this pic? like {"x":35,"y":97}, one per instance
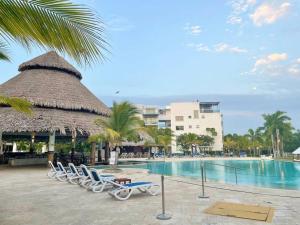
{"x":27,"y":196}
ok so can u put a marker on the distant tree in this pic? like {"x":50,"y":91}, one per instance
{"x":187,"y":141}
{"x":165,"y":139}
{"x":159,"y":136}
{"x":122,"y":125}
{"x":277,"y":127}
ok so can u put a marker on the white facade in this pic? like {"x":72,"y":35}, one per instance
{"x":186,"y":117}
{"x":196,"y":117}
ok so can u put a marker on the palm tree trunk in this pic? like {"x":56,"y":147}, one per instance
{"x":93,"y":153}
{"x":106,"y":153}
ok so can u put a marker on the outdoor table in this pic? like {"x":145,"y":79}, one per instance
{"x":122,"y":180}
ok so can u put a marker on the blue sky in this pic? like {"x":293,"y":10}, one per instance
{"x":244,"y":53}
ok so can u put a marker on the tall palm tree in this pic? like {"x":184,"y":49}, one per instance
{"x":276,"y":127}
{"x":56,"y":24}
{"x":122,"y":125}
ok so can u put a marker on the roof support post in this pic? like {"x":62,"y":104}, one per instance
{"x":51,"y":147}
{"x":93,"y":153}
{"x":1,"y":144}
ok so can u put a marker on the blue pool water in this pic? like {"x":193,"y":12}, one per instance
{"x":264,"y":173}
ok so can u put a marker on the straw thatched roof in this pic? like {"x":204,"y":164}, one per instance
{"x":61,"y":102}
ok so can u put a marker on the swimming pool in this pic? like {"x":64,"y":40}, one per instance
{"x":263,"y":173}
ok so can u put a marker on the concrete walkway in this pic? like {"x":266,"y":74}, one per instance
{"x":28,"y":197}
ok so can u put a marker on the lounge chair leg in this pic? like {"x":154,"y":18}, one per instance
{"x":123,"y":198}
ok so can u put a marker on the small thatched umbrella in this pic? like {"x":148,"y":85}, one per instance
{"x":61,"y":103}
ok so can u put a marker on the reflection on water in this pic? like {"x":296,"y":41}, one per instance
{"x":265,"y":173}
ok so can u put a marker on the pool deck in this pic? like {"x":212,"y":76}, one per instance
{"x":27,"y":196}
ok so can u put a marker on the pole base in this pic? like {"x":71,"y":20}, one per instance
{"x":203,"y":196}
{"x":163,"y":216}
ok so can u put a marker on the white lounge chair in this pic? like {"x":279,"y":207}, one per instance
{"x":75,"y":176}
{"x":53,"y":170}
{"x":86,"y":180}
{"x":63,"y":174}
{"x":100,"y":182}
{"x":124,"y":191}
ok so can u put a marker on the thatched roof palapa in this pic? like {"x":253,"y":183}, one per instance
{"x":61,"y":102}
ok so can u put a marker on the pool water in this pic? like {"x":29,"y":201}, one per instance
{"x":264,"y":173}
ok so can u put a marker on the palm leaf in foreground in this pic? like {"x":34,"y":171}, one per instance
{"x":57,"y":24}
{"x":3,"y":52}
{"x":20,"y":105}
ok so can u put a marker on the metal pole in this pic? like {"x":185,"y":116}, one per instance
{"x":204,"y":171}
{"x":235,"y":176}
{"x":202,"y":179}
{"x":163,"y":215}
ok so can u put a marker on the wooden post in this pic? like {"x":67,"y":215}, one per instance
{"x":1,"y":144}
{"x":1,"y":148}
{"x":107,"y":151}
{"x":93,"y":153}
{"x":51,"y":148}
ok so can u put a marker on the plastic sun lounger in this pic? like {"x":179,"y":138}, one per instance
{"x":74,"y":177}
{"x":124,"y":191}
{"x":53,"y":170}
{"x":100,"y":182}
{"x":86,"y":179}
{"x":63,"y":174}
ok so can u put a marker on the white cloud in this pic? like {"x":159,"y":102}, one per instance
{"x":223,"y":47}
{"x":193,"y":29}
{"x":234,"y":19}
{"x":294,"y":70}
{"x":267,"y":13}
{"x":239,"y":7}
{"x":271,"y":58}
{"x":298,"y":60}
{"x":199,"y":47}
{"x":119,"y":24}
{"x":276,"y":64}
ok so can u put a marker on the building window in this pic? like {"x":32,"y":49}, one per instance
{"x":197,"y":126}
{"x":179,"y":128}
{"x":203,"y":117}
{"x":190,"y":126}
{"x":179,"y":118}
{"x":190,"y":117}
{"x":196,"y":114}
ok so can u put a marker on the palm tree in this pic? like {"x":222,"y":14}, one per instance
{"x":165,"y":139}
{"x":61,"y":25}
{"x":276,"y":127}
{"x":187,"y":141}
{"x":122,"y":125}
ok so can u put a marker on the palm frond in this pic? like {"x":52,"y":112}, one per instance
{"x":18,"y":104}
{"x":3,"y":52}
{"x":56,"y":24}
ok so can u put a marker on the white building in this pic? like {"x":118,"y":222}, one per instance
{"x":187,"y":117}
{"x":197,"y":118}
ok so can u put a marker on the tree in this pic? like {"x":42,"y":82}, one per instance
{"x":157,"y":136}
{"x":277,"y":127}
{"x":122,"y":125}
{"x":61,"y":25}
{"x":187,"y":141}
{"x":165,"y":139}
